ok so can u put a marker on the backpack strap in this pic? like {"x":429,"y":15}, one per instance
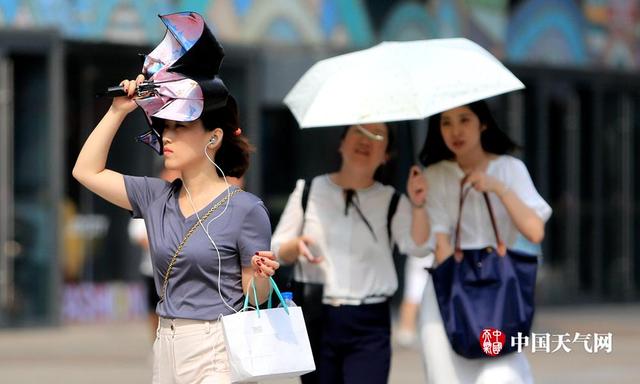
{"x":304,"y":201}
{"x":393,"y":206}
{"x":305,"y":195}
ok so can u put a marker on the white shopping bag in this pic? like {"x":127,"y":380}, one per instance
{"x":267,"y":343}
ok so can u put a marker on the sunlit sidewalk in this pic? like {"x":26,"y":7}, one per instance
{"x":578,"y":365}
{"x":121,"y":353}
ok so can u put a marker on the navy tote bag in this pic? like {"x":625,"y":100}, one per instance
{"x":478,"y":289}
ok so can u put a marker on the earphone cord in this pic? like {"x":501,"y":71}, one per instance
{"x":206,"y":229}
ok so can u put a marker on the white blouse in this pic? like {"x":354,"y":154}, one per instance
{"x":476,"y":231}
{"x":357,"y":268}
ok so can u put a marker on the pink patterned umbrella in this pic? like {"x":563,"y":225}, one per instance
{"x":182,"y":75}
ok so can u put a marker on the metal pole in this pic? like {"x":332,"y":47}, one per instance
{"x":55,"y":75}
{"x":571,"y":195}
{"x":597,"y":170}
{"x":627,"y":194}
{"x":8,"y":247}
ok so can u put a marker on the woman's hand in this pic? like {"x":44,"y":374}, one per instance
{"x":524,"y":217}
{"x":417,"y":187}
{"x":264,"y":264}
{"x":482,"y":182}
{"x":127,"y":104}
{"x":304,"y":244}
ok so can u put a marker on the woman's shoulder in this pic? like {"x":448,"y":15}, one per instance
{"x":442,"y":168}
{"x":249,"y":213}
{"x":245,"y":199}
{"x":320,"y":184}
{"x":315,"y":180}
{"x":323,"y":179}
{"x":509,"y":164}
{"x":155,"y":185}
{"x":247,"y":202}
{"x":378,"y":192}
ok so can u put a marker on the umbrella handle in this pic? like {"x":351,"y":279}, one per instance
{"x":142,"y":90}
{"x":370,"y":135}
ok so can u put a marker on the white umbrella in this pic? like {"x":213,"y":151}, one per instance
{"x":395,"y":81}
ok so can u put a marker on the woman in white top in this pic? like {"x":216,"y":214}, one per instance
{"x":466,"y":142}
{"x":341,"y":240}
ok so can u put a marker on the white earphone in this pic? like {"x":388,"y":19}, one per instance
{"x":212,"y":140}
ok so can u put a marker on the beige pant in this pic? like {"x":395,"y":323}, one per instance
{"x":190,"y":352}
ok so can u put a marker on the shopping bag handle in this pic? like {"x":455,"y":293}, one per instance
{"x":274,"y":288}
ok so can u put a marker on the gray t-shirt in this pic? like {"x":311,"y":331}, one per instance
{"x":192,"y":291}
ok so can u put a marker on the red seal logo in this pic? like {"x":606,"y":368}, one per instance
{"x":491,"y":341}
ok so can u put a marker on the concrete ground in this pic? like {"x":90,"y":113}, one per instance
{"x":120,"y":353}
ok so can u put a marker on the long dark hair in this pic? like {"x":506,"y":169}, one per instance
{"x":492,"y":139}
{"x":233,"y":154}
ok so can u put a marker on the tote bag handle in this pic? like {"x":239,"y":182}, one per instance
{"x":501,"y":247}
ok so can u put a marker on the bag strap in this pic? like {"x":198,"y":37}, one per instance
{"x":393,"y":206}
{"x":186,"y":237}
{"x":501,"y":247}
{"x":304,"y":201}
{"x":274,"y":288}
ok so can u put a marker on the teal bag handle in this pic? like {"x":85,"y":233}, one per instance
{"x":274,"y":287}
{"x":269,"y":298}
{"x":246,"y":298}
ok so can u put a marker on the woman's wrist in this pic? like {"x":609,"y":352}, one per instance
{"x":503,"y":189}
{"x":118,"y":112}
{"x":288,"y":251}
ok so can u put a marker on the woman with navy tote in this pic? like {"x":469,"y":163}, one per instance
{"x":465,"y":142}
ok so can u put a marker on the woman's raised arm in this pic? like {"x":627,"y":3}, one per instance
{"x":89,"y":169}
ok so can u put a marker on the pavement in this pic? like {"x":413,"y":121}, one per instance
{"x":121,"y":352}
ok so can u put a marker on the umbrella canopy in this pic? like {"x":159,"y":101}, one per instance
{"x":182,"y":75}
{"x":395,"y":81}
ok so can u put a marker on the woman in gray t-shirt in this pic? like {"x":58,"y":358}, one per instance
{"x":209,"y":275}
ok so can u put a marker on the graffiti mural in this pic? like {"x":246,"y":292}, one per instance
{"x":550,"y":31}
{"x":613,"y":33}
{"x":557,"y":32}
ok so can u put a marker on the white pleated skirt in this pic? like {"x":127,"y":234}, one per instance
{"x":444,"y":366}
